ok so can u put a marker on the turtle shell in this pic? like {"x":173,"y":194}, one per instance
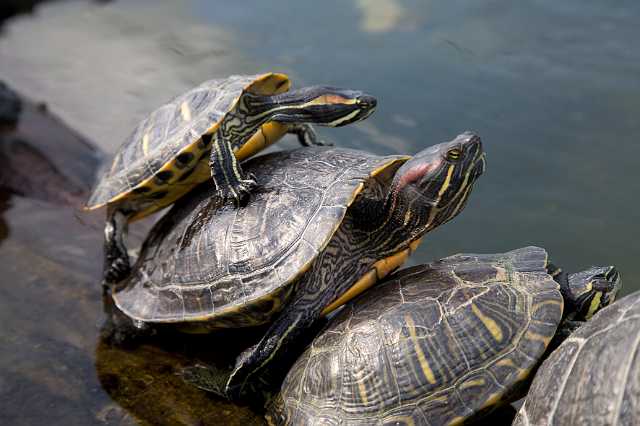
{"x":166,"y":147}
{"x":232,"y":266}
{"x":593,"y":377}
{"x":432,"y":344}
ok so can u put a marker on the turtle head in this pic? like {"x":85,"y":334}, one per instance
{"x":321,"y":105}
{"x":591,"y":290}
{"x":435,"y":184}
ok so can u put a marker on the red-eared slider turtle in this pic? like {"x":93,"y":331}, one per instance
{"x":204,"y":134}
{"x":593,"y":378}
{"x":324,"y":226}
{"x":439,"y":343}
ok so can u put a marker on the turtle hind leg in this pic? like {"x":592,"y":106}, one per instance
{"x":206,"y":377}
{"x":306,"y":134}
{"x":261,"y":368}
{"x":116,"y":260}
{"x":227,"y":174}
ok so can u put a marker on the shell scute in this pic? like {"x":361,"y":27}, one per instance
{"x":242,"y":255}
{"x":166,"y":131}
{"x":459,"y":333}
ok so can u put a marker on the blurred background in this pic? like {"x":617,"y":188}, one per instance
{"x":552,"y":87}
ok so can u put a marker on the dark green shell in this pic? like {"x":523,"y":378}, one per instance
{"x":165,"y":132}
{"x":433,"y":344}
{"x":234,"y":266}
{"x":593,"y":378}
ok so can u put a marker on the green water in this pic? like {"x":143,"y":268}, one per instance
{"x":553,"y":88}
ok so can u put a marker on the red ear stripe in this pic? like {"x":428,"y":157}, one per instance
{"x":414,"y":174}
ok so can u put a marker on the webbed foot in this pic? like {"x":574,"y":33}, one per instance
{"x":238,"y":190}
{"x":307,"y":135}
{"x":115,"y":270}
{"x":227,"y":174}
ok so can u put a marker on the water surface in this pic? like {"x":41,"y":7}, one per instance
{"x":552,"y":88}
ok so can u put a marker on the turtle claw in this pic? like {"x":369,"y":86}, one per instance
{"x":323,"y":143}
{"x":239,"y":192}
{"x":117,"y":268}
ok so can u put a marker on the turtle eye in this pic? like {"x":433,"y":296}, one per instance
{"x":454,"y":154}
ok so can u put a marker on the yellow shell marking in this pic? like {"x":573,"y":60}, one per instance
{"x":266,"y":84}
{"x":523,"y":373}
{"x":539,"y":337}
{"x":540,"y":305}
{"x":380,"y":270}
{"x":456,"y":421}
{"x":145,"y":144}
{"x":493,"y":399}
{"x":362,"y":389}
{"x":506,"y":362}
{"x":473,"y":383}
{"x":424,"y":364}
{"x":489,"y":323}
{"x":185,"y":111}
{"x":390,"y":167}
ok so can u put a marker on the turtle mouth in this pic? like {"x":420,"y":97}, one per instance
{"x":367,"y":103}
{"x":480,"y":166}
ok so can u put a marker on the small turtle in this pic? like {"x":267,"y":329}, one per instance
{"x":593,"y":378}
{"x":204,"y":134}
{"x":440,"y":343}
{"x":324,"y":225}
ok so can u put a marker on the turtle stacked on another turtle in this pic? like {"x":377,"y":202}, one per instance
{"x":593,"y":378}
{"x":325,"y":224}
{"x":204,"y":134}
{"x":442,"y":343}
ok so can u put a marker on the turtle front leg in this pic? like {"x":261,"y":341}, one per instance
{"x":263,"y":366}
{"x":306,"y":134}
{"x":226,"y":172}
{"x":116,"y":260}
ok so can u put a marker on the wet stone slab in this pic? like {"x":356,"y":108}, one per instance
{"x":54,"y":366}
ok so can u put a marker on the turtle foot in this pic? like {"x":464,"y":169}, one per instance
{"x":239,"y":192}
{"x":117,"y":270}
{"x":208,"y":378}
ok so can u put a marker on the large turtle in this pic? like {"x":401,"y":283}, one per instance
{"x":439,"y":343}
{"x":593,"y":378}
{"x":204,"y":134}
{"x":324,"y":226}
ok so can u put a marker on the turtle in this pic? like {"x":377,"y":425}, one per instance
{"x":203,"y":134}
{"x":325,"y":224}
{"x":594,"y":376}
{"x":439,"y":343}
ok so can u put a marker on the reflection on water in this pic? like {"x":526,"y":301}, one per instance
{"x":552,"y":88}
{"x":382,"y":15}
{"x":55,"y":367}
